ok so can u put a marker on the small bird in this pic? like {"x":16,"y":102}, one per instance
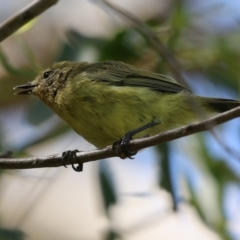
{"x":105,"y":100}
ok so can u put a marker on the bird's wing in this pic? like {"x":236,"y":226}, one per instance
{"x":127,"y":75}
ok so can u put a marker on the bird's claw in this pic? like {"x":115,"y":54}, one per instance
{"x":71,"y":155}
{"x":121,"y":146}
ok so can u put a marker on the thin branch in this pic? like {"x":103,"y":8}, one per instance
{"x":137,"y":144}
{"x":22,"y":17}
{"x":151,"y":36}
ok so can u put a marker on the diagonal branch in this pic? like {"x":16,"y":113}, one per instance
{"x":22,"y":17}
{"x":137,"y":144}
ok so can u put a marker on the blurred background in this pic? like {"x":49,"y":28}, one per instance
{"x":185,"y":189}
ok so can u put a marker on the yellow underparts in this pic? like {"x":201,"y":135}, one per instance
{"x":102,"y":113}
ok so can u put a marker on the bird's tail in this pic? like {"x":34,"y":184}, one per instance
{"x":220,"y":104}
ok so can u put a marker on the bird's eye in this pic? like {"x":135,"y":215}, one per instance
{"x":46,"y":74}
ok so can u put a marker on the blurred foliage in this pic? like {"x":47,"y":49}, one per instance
{"x":14,"y":77}
{"x":107,"y":187}
{"x":108,"y":194}
{"x":111,"y":236}
{"x":221,"y":174}
{"x":9,"y":234}
{"x":212,"y":56}
{"x":165,"y":180}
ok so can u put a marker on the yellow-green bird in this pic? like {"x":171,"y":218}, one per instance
{"x":103,"y":101}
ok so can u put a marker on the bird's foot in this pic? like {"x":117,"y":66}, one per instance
{"x":121,"y":146}
{"x":68,"y":155}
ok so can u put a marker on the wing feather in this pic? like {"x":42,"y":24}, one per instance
{"x":127,"y":75}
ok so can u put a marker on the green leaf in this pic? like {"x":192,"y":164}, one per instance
{"x":10,"y":234}
{"x":107,"y":188}
{"x":166,"y":179}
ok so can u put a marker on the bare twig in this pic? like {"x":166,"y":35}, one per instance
{"x":151,"y":36}
{"x":137,"y":144}
{"x":22,"y":17}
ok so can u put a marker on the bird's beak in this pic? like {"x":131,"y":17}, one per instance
{"x":25,"y":89}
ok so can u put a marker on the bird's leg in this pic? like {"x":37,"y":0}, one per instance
{"x":121,"y":145}
{"x":72,"y":155}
